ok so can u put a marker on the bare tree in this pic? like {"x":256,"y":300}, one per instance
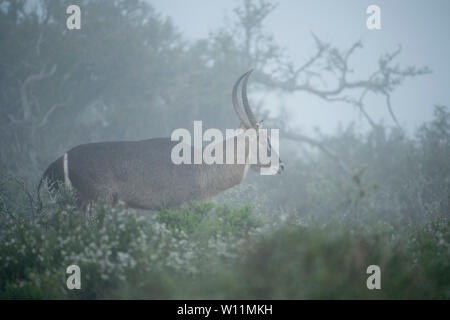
{"x":328,"y":64}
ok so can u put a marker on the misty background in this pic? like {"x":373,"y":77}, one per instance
{"x":418,"y":26}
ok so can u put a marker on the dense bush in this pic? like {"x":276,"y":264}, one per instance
{"x":209,"y":250}
{"x":114,"y":247}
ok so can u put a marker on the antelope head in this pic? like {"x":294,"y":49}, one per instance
{"x":249,"y":121}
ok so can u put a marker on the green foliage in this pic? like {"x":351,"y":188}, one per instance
{"x":214,"y":251}
{"x":111,"y":246}
{"x":114,"y":247}
{"x":204,"y":219}
{"x":329,"y":262}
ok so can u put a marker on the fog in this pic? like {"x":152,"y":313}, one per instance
{"x":420,"y":28}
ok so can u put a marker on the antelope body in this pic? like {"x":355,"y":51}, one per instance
{"x":141,"y":173}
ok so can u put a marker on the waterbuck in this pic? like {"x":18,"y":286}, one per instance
{"x":142,"y":175}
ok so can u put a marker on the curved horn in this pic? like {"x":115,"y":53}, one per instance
{"x":236,"y":104}
{"x":250,"y":115}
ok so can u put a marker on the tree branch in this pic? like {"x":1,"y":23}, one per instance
{"x":383,"y":81}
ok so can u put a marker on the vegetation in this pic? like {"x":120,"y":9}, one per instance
{"x":213,"y":251}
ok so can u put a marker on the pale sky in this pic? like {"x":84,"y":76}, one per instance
{"x":419,"y":26}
